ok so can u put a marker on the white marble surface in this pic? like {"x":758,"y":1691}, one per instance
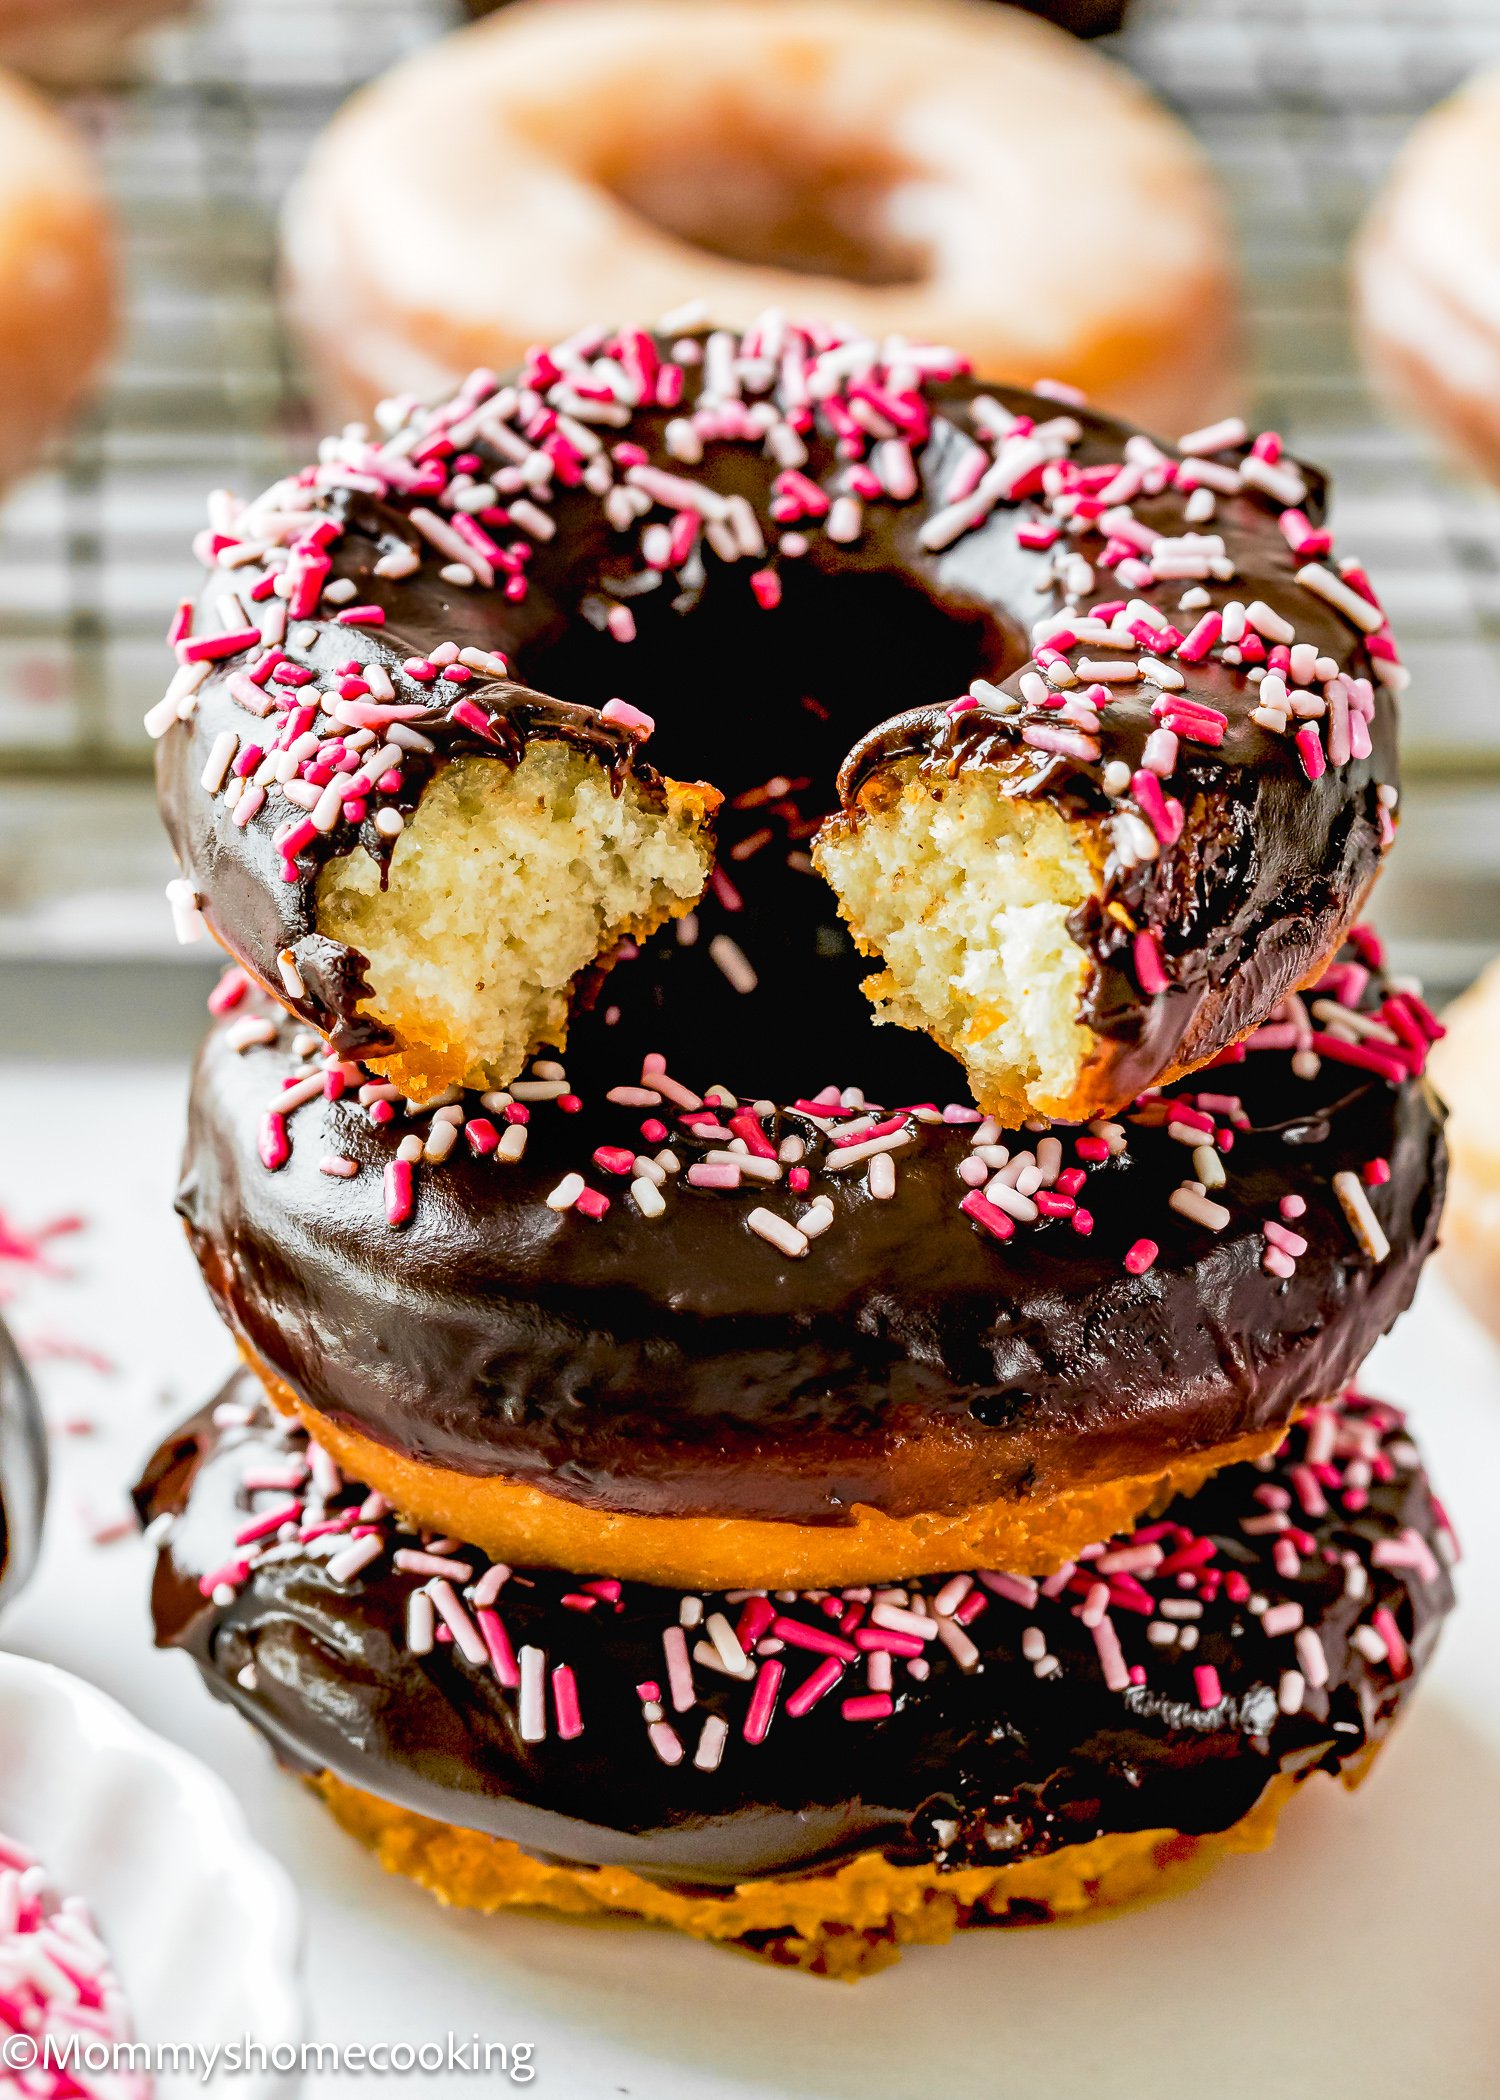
{"x":1353,"y":1962}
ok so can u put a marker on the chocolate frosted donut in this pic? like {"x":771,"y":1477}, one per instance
{"x":693,"y":1339}
{"x":662,"y":1751}
{"x":776,"y":558}
{"x":23,"y":1470}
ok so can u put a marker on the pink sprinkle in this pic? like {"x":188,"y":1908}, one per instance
{"x":1150,"y":970}
{"x":262,"y":1527}
{"x":1310,"y":751}
{"x":1206,"y":1679}
{"x":814,"y":1687}
{"x":497,"y":1641}
{"x":212,"y":648}
{"x":766,"y":585}
{"x":1111,"y":1655}
{"x":228,"y":992}
{"x":362,"y":616}
{"x":182,"y":623}
{"x":763,"y":1700}
{"x":472,"y":716}
{"x":565,"y":1702}
{"x":1398,"y":1653}
{"x":592,"y":1204}
{"x":1141,"y":1257}
{"x":614,"y":1159}
{"x":994,"y":1220}
{"x":275,"y":1146}
{"x":1201,"y":639}
{"x":627,"y":717}
{"x":870,"y":1706}
{"x":482,"y":1136}
{"x":398,"y":1191}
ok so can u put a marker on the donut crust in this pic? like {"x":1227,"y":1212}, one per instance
{"x":847,"y":1923}
{"x":525,"y":1525}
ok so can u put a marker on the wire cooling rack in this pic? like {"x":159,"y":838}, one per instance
{"x":1301,"y":102}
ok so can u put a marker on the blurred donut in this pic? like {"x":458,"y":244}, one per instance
{"x":957,"y":173}
{"x":1080,"y":17}
{"x":75,"y":43}
{"x":1427,"y":275}
{"x":816,"y":1778}
{"x":868,"y":1344}
{"x":57,"y":274}
{"x":1466,"y":1069}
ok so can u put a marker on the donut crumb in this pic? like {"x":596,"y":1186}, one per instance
{"x":504,"y":885}
{"x":964,"y":893}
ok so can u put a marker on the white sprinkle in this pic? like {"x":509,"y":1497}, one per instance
{"x":1324,"y":584}
{"x":648,"y":1197}
{"x":1188,"y":1202}
{"x":726,"y":1642}
{"x":291,"y":976}
{"x":346,"y":1565}
{"x":1214,"y":437}
{"x":881,"y":1178}
{"x":733,"y":961}
{"x":1363,"y":1222}
{"x":711,"y":1744}
{"x":421,"y":1623}
{"x":533,"y":1699}
{"x":1311,"y":1658}
{"x":778,"y":1231}
{"x":187,"y":917}
{"x":567,"y":1192}
{"x":220,"y":758}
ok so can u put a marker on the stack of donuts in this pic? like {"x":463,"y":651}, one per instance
{"x":802,"y":1141}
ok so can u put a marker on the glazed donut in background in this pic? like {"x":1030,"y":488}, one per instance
{"x":895,"y":167}
{"x":1081,"y":17}
{"x":695,"y":1340}
{"x":23,"y":1471}
{"x":1466,"y":1066}
{"x":76,"y":43}
{"x":775,"y":562}
{"x":57,"y":274}
{"x":817,"y":1778}
{"x":1427,"y":275}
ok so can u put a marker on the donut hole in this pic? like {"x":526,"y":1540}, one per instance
{"x":965,"y":894}
{"x":747,"y":191}
{"x":505,"y":884}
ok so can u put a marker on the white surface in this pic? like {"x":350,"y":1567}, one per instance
{"x":202,"y":1926}
{"x":1355,"y":1961}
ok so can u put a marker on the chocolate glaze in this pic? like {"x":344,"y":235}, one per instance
{"x":680,"y":1365}
{"x":1269,"y":873}
{"x":23,"y":1470}
{"x":977,"y":1768}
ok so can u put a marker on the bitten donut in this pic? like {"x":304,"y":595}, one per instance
{"x":23,"y":1470}
{"x":957,"y":173}
{"x":1427,"y":275}
{"x":818,"y":1778}
{"x":695,"y":1339}
{"x":1089,"y":741}
{"x":72,"y":43}
{"x":57,"y":274}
